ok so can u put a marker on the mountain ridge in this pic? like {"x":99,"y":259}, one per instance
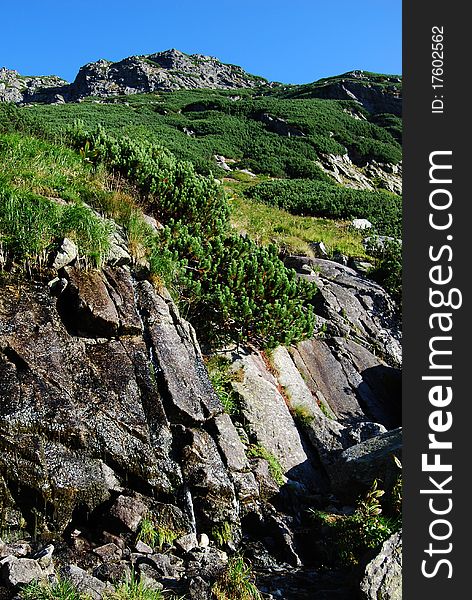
{"x":172,"y":70}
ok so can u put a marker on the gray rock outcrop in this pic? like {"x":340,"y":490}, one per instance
{"x":350,"y":305}
{"x":108,"y":419}
{"x":383,"y":575}
{"x":17,"y":88}
{"x":109,"y":393}
{"x":162,"y":71}
{"x":375,"y":96}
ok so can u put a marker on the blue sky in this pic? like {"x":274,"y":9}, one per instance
{"x":294,"y":41}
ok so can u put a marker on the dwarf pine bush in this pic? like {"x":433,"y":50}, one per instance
{"x":229,"y":287}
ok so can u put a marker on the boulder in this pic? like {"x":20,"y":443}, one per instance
{"x":17,"y":549}
{"x":114,"y":572}
{"x":207,"y":563}
{"x":189,"y":395}
{"x":88,"y":308}
{"x":187,"y":542}
{"x":358,"y":308}
{"x":229,"y":443}
{"x":129,"y":512}
{"x":65,"y":255}
{"x":383,"y":575}
{"x":143,"y":548}
{"x":44,"y":556}
{"x":121,"y":290}
{"x":349,"y":382}
{"x":361,"y":224}
{"x":319,"y":250}
{"x":213,"y":494}
{"x":118,"y":254}
{"x":100,"y":419}
{"x":108,"y":552}
{"x":360,"y":465}
{"x":267,"y":487}
{"x":199,"y":589}
{"x":20,"y":571}
{"x":166,"y":565}
{"x":84,"y":582}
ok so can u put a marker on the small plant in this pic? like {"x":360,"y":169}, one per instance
{"x":222,"y":533}
{"x":325,"y":410}
{"x":88,"y":153}
{"x":396,"y":495}
{"x":221,"y":376}
{"x":154,"y":534}
{"x":370,"y":505}
{"x":134,"y":588}
{"x":237,"y":582}
{"x":275,"y":468}
{"x":351,"y":536}
{"x":61,"y":589}
{"x":302,"y":415}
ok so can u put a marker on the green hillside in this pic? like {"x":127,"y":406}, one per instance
{"x":209,"y":165}
{"x":197,"y":124}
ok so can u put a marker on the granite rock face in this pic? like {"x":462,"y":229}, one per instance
{"x":17,"y":88}
{"x":108,"y":418}
{"x":352,"y":306}
{"x":91,"y":385}
{"x":383,"y":575}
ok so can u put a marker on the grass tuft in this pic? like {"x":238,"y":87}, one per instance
{"x":237,"y":582}
{"x":275,"y":468}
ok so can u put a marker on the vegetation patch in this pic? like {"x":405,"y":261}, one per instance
{"x":221,"y":377}
{"x":302,"y":415}
{"x":347,"y":538}
{"x":388,"y":265}
{"x":292,"y":234}
{"x":221,"y":124}
{"x":222,"y":533}
{"x":320,"y":199}
{"x":275,"y":468}
{"x":61,"y":589}
{"x":156,"y":535}
{"x":237,"y":582}
{"x":229,"y":287}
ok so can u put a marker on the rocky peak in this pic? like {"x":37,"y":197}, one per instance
{"x":164,"y":71}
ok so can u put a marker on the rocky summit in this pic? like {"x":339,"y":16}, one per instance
{"x":162,"y":71}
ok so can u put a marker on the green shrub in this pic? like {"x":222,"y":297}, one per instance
{"x":231,"y":128}
{"x":230,"y":288}
{"x":388,"y":267}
